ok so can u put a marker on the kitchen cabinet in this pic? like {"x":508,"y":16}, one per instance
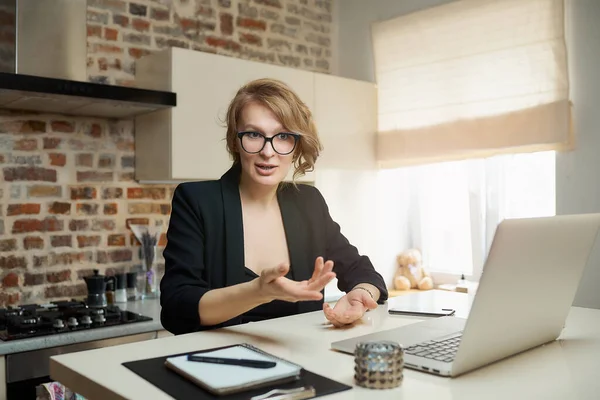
{"x":187,"y":142}
{"x":345,"y":112}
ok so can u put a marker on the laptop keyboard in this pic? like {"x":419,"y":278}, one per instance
{"x":441,"y":350}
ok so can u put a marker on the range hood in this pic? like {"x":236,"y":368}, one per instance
{"x":43,"y":64}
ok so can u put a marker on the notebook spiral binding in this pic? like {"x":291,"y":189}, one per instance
{"x":264,"y":353}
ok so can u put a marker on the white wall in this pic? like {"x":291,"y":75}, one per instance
{"x":577,"y":180}
{"x":354,"y":17}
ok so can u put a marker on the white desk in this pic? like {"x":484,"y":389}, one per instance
{"x":565,"y":369}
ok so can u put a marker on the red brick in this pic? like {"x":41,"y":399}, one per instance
{"x":107,"y":48}
{"x":226,"y":44}
{"x":11,"y":262}
{"x":87,"y":209}
{"x":84,"y":160}
{"x":79,"y":225}
{"x":226,"y":21}
{"x":204,"y":11}
{"x":49,"y":224}
{"x":23,"y":209}
{"x":125,"y":145}
{"x":27,"y":144}
{"x":137,"y":221}
{"x":269,"y":3}
{"x":88,"y":241}
{"x":94,"y":31}
{"x":57,"y":277}
{"x":33,"y":242}
{"x":101,"y":257}
{"x":94,"y":176}
{"x":10,"y":280}
{"x":52,"y":143}
{"x":33,"y":279}
{"x":33,"y":126}
{"x":116,"y":240}
{"x":40,"y":261}
{"x":103,"y":225}
{"x":121,"y":255}
{"x":63,"y":126}
{"x":102,"y":64}
{"x":138,"y":53}
{"x":58,"y":207}
{"x":112,"y":193}
{"x":8,"y":245}
{"x":58,"y":159}
{"x":144,"y":208}
{"x":94,"y":130}
{"x":140,"y":25}
{"x":61,"y":241}
{"x":29,"y":174}
{"x":111,"y":209}
{"x":249,"y":38}
{"x":44,"y":191}
{"x":126,"y":177}
{"x":69,"y":258}
{"x":121,"y":20}
{"x":146,"y":193}
{"x":111,"y":34}
{"x":65,"y":291}
{"x":160,"y":15}
{"x":83,"y":193}
{"x":251,"y":23}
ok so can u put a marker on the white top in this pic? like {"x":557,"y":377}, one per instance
{"x":565,"y":369}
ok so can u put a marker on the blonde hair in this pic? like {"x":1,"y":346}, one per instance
{"x":292,"y":113}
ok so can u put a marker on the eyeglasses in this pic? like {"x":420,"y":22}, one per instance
{"x":283,"y":143}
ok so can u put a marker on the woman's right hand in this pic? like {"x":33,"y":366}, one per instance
{"x":273,"y":285}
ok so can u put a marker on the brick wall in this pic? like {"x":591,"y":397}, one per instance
{"x":67,"y":191}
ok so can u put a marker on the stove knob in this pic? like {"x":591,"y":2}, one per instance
{"x":72,"y":322}
{"x":58,"y":324}
{"x":99,"y":319}
{"x":86,"y":320}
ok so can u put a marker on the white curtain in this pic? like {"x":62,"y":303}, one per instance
{"x":451,"y":210}
{"x":471,"y":79}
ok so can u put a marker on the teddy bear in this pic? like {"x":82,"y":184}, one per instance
{"x":410,"y":273}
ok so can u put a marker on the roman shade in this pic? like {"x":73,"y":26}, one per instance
{"x":472,"y":78}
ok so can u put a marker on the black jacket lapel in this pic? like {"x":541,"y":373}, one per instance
{"x":234,"y":231}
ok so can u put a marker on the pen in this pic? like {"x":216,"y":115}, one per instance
{"x":233,"y":361}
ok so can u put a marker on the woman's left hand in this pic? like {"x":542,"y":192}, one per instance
{"x":351,"y":307}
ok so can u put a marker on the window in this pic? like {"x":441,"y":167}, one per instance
{"x":452,"y":209}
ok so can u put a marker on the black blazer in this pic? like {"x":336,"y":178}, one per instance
{"x":205,"y":247}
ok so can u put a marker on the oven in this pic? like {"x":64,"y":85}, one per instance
{"x":27,"y":370}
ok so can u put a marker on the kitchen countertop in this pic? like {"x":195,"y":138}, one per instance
{"x":147,"y":307}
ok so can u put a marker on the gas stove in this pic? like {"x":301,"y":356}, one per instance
{"x":33,"y":320}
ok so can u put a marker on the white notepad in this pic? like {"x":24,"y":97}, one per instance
{"x":224,"y":379}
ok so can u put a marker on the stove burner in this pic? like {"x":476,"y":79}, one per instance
{"x":32,"y":320}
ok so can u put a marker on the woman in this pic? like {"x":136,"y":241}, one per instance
{"x":249,"y":247}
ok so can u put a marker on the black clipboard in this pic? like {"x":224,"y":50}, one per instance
{"x":155,"y":372}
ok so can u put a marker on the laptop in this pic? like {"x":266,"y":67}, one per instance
{"x":525,"y":292}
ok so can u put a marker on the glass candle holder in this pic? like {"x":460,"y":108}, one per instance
{"x":378,"y":364}
{"x":149,"y":288}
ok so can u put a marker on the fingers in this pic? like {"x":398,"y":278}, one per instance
{"x":319,"y":264}
{"x":338,"y":319}
{"x":270,"y":274}
{"x":321,"y":282}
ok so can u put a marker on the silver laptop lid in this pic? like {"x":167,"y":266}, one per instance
{"x":527,"y":287}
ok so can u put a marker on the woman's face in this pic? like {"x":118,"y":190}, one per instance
{"x":266,"y":167}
